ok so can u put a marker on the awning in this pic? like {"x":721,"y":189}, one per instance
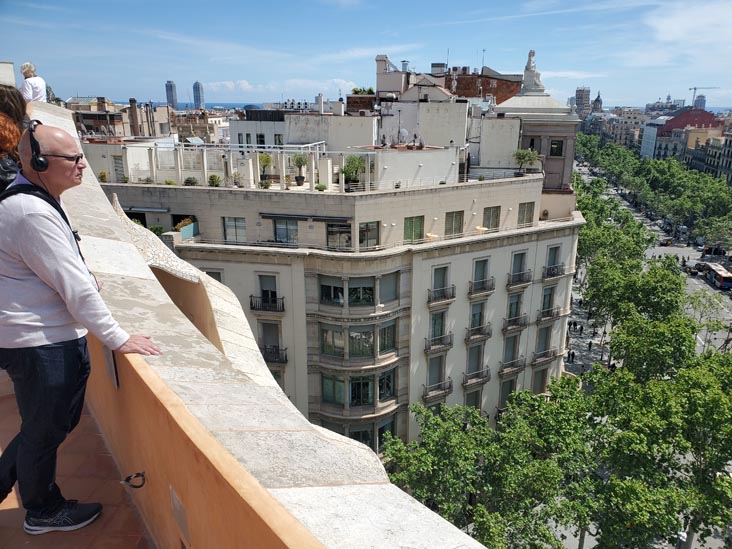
{"x":146,"y":209}
{"x":301,"y":217}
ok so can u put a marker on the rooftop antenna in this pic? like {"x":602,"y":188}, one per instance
{"x":447,"y":60}
{"x":482,"y":60}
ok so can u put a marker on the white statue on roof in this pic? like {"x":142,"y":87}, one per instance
{"x":532,"y":77}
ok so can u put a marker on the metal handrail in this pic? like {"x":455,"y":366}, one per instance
{"x":438,"y":342}
{"x":441,"y":387}
{"x":552,"y":271}
{"x":514,"y":279}
{"x":478,"y":331}
{"x":441,"y":294}
{"x":274,"y":353}
{"x":520,"y":321}
{"x":260,"y":303}
{"x":480,"y":286}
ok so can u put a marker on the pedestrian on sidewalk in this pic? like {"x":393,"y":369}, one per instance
{"x":572,"y":359}
{"x":589,"y":345}
{"x":581,"y":329}
{"x":580,"y":302}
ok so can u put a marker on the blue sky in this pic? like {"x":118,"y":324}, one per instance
{"x":632,"y":51}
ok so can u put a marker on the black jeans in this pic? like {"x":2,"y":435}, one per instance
{"x":49,"y":382}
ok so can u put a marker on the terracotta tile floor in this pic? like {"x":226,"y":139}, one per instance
{"x":85,"y":472}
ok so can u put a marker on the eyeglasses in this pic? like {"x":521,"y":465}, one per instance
{"x":74,"y":157}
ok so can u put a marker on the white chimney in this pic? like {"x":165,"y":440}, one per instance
{"x":319,"y":100}
{"x":405,"y":66}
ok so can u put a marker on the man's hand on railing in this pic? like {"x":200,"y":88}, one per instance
{"x":140,"y":344}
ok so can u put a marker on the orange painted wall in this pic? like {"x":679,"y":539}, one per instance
{"x":148,"y":428}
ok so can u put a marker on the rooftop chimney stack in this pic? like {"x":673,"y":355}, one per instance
{"x":134,"y":124}
{"x":405,"y":66}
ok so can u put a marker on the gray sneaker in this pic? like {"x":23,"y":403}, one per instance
{"x":72,"y":516}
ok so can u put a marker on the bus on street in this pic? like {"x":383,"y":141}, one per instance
{"x":719,"y":276}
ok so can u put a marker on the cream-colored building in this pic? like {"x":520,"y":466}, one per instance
{"x":365,"y":302}
{"x":419,"y":286}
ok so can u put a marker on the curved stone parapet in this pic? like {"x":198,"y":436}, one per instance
{"x":207,"y":420}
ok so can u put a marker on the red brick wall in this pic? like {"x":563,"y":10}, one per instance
{"x":469,"y":85}
{"x":355,"y":103}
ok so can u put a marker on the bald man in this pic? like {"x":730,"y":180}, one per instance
{"x":48,"y":301}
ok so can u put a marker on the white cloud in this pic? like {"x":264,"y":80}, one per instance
{"x":612,"y":6}
{"x":576,"y":75}
{"x":229,"y":85}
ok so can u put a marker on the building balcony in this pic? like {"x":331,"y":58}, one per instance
{"x":439,"y":296}
{"x":512,"y":367}
{"x":438,"y":343}
{"x":553,"y":271}
{"x":478,"y":333}
{"x":267,"y":304}
{"x":516,"y":323}
{"x":437,"y":391}
{"x":274,"y":354}
{"x":548,"y":314}
{"x":519,"y":279}
{"x":481,"y":287}
{"x":542,"y":357}
{"x":478,"y":377}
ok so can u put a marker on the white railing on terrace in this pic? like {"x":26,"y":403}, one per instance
{"x":365,"y":249}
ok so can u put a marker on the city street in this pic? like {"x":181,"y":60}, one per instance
{"x":590,"y":346}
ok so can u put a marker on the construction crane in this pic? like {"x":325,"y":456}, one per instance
{"x":693,"y":97}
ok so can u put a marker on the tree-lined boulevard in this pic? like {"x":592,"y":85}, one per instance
{"x":634,"y":455}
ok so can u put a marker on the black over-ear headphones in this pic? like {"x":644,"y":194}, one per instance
{"x":38,"y":162}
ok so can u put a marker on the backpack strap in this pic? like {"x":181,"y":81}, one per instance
{"x":36,"y":191}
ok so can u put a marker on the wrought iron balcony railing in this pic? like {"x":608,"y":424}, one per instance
{"x":516,"y":323}
{"x":274,"y":353}
{"x":438,"y":343}
{"x":435,"y":295}
{"x":478,"y":287}
{"x":479,"y":332}
{"x":553,"y":271}
{"x":517,"y":279}
{"x":268,"y":304}
{"x":437,"y":390}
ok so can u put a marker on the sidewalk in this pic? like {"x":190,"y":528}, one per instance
{"x":579,"y":340}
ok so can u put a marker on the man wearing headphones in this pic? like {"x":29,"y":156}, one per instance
{"x":48,"y":300}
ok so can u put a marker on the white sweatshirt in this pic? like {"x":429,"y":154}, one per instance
{"x":34,"y":89}
{"x":47,"y":294}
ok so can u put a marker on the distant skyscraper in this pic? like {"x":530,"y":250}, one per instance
{"x":700,"y":102}
{"x":582,"y":102}
{"x":198,"y":102}
{"x":171,"y":94}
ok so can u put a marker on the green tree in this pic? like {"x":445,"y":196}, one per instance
{"x":653,"y":348}
{"x":265,"y":161}
{"x":524,"y":157}
{"x":354,"y":166}
{"x":300,"y":160}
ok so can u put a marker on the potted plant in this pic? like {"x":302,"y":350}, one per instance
{"x":214,"y":180}
{"x":300,"y":160}
{"x":321,"y":187}
{"x":265,"y":161}
{"x":353,"y":167}
{"x":102,"y":176}
{"x":190,"y":181}
{"x":524,"y":157}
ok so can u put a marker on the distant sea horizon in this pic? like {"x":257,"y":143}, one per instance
{"x":209,"y":106}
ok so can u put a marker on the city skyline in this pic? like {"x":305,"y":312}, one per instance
{"x":632,"y":51}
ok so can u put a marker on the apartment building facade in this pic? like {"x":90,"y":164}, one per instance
{"x":366,"y":302}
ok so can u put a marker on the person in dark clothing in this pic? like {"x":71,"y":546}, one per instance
{"x":581,"y":329}
{"x":12,"y":113}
